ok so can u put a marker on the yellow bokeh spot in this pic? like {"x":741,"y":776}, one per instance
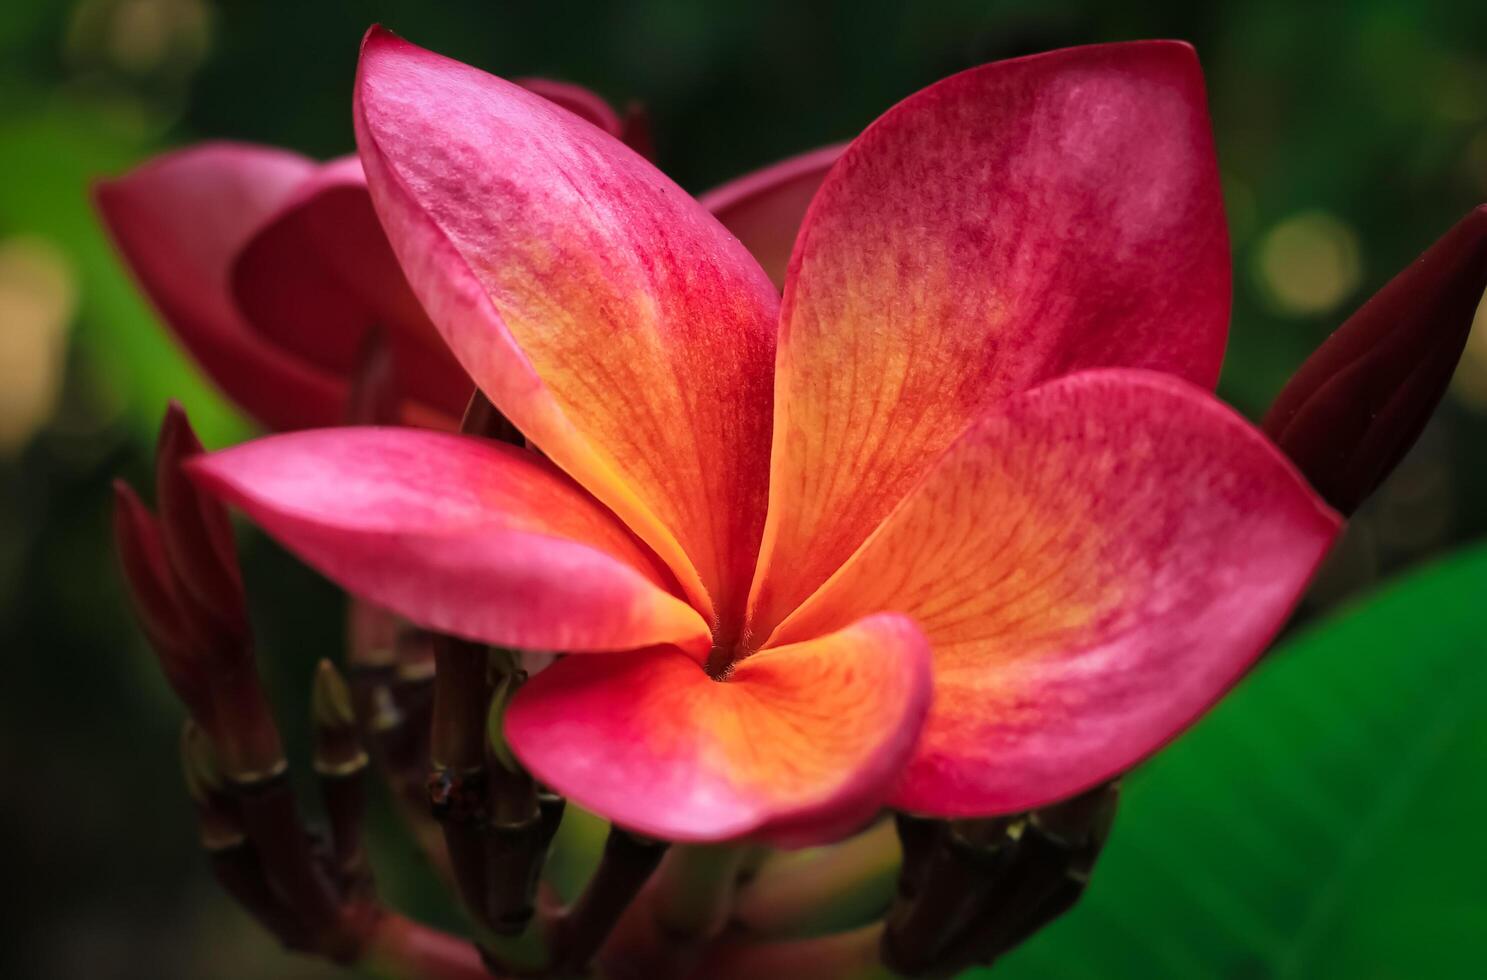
{"x":140,"y":37}
{"x":38,"y":294}
{"x":1309,"y":263}
{"x":1470,"y":381}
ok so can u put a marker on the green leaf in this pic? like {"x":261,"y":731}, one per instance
{"x":1324,"y":821}
{"x":49,"y":156}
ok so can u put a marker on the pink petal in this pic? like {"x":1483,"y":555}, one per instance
{"x":319,"y":275}
{"x":179,"y":220}
{"x":799,"y":745}
{"x":458,"y":534}
{"x":1095,"y":562}
{"x":584,"y":104}
{"x":1008,"y":225}
{"x":764,"y":208}
{"x":602,"y":310}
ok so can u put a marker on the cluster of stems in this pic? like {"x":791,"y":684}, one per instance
{"x":312,"y":891}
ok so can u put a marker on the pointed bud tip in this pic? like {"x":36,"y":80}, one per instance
{"x":124,"y":493}
{"x":132,"y":518}
{"x":177,"y":439}
{"x":330,"y":698}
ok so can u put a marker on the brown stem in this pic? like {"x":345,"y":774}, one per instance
{"x":970,"y":857}
{"x":627,"y":863}
{"x":918,"y":837}
{"x":401,"y":752}
{"x":1011,"y":911}
{"x":513,"y":863}
{"x":457,"y":781}
{"x":272,"y":823}
{"x":515,"y":849}
{"x":247,"y":739}
{"x":340,"y":764}
{"x":1048,"y":876}
{"x":240,"y":873}
{"x":345,"y":797}
{"x":461,"y":697}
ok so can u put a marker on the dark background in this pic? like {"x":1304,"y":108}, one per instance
{"x":1350,"y":137}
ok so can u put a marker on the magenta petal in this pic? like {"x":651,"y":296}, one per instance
{"x":179,"y":221}
{"x":458,"y":534}
{"x":1094,"y":562}
{"x":604,"y":312}
{"x":319,"y":275}
{"x":800,"y":744}
{"x":764,"y":208}
{"x":1007,"y":225}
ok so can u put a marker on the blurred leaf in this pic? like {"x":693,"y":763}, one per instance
{"x":575,"y":851}
{"x":49,"y":157}
{"x":1324,"y":821}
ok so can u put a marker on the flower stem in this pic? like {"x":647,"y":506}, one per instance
{"x":694,"y":890}
{"x":824,"y":889}
{"x":402,"y":754}
{"x":515,"y":838}
{"x":457,"y":790}
{"x":628,"y":862}
{"x":272,"y":823}
{"x":340,"y":764}
{"x":970,"y":858}
{"x":665,"y":932}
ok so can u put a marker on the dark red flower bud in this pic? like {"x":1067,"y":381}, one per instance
{"x":1361,"y":400}
{"x":152,"y":593}
{"x":199,"y":545}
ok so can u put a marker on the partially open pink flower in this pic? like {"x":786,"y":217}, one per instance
{"x":956,"y":527}
{"x":272,"y":269}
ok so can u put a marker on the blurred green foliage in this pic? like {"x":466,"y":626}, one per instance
{"x":1350,"y":134}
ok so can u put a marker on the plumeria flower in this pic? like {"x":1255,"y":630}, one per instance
{"x":956,"y":526}
{"x":272,"y":269}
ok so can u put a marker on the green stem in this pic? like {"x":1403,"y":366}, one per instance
{"x":822,"y":890}
{"x":694,"y":889}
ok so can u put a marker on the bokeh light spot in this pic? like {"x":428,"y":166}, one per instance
{"x":1309,"y":263}
{"x":38,"y":294}
{"x":1470,"y":381}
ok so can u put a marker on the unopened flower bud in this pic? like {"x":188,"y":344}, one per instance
{"x":152,"y":594}
{"x":198,"y":543}
{"x":1361,"y":400}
